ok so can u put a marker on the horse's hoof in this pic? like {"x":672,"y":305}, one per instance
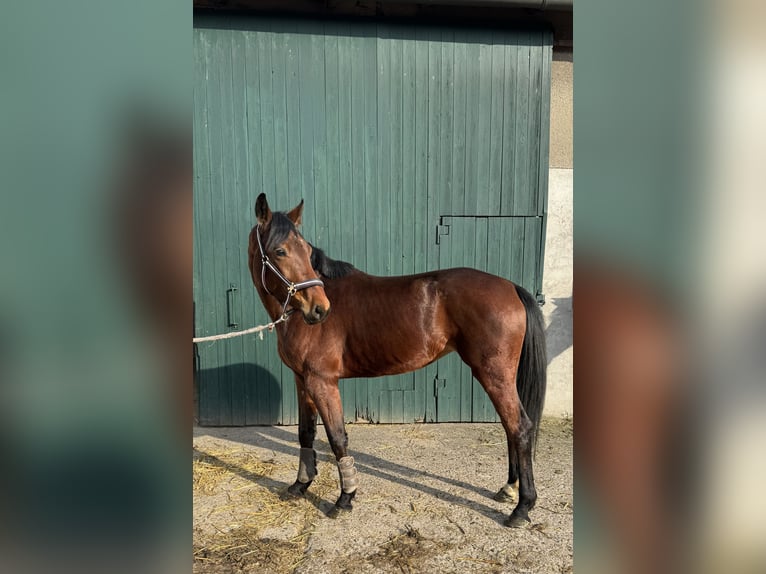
{"x":295,"y":491}
{"x":507,"y":494}
{"x":342,"y":505}
{"x":338,"y":511}
{"x":288,"y":496}
{"x":516,"y":521}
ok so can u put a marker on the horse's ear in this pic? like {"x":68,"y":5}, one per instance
{"x":262,"y":211}
{"x":296,"y":214}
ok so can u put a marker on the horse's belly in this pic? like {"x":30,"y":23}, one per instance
{"x":379,"y":360}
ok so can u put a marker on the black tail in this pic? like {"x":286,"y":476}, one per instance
{"x":530,"y":377}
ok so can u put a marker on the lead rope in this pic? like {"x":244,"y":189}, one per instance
{"x":258,"y":329}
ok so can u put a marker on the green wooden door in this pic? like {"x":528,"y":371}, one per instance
{"x":506,"y":246}
{"x":383,"y":130}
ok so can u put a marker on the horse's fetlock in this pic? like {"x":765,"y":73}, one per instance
{"x":527,"y":500}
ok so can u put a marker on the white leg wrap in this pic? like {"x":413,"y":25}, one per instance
{"x":307,"y":466}
{"x":348,"y":478}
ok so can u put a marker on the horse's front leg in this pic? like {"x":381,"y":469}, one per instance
{"x":326,"y":397}
{"x":307,"y":430}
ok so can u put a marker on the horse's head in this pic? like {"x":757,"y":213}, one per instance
{"x":286,"y":253}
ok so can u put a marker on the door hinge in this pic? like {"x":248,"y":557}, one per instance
{"x":441,"y":230}
{"x":540,"y":298}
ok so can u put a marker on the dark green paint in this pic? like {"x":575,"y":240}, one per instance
{"x":386,"y":132}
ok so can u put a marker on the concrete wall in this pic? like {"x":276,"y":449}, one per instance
{"x":557,"y":286}
{"x":561,"y":148}
{"x":557,"y":275}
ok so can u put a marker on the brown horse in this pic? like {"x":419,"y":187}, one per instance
{"x":357,"y":325}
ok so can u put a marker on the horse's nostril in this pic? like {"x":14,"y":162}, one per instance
{"x":319,"y":311}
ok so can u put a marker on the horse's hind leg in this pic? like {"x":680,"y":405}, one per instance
{"x":326,"y":396}
{"x":501,"y":388}
{"x":307,"y":429}
{"x":527,"y":491}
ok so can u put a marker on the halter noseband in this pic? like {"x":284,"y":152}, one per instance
{"x":292,"y":288}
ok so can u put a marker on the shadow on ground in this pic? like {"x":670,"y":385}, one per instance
{"x":274,"y":438}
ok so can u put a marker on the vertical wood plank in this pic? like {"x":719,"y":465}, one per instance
{"x":521,"y":172}
{"x":446,"y":118}
{"x":472,"y":148}
{"x":425,"y":222}
{"x":320,"y":148}
{"x":434,"y":134}
{"x":218,"y":228}
{"x":205,"y":302}
{"x":510,"y":102}
{"x":485,"y":109}
{"x":235,"y":214}
{"x":279,"y":58}
{"x":460,"y":124}
{"x":496,"y":123}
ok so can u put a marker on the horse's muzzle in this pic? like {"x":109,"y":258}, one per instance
{"x":317,"y":314}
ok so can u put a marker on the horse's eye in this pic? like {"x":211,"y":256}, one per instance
{"x":280,"y":252}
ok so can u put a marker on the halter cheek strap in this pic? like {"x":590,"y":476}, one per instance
{"x":292,"y":288}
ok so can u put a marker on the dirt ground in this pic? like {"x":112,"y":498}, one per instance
{"x":424,"y":502}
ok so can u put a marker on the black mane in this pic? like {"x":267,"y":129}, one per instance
{"x":280,"y":228}
{"x":329,"y":268}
